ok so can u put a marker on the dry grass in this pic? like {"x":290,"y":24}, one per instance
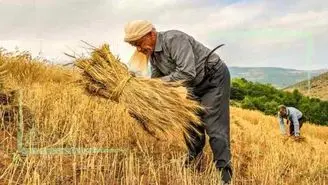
{"x":318,"y":88}
{"x":67,"y":117}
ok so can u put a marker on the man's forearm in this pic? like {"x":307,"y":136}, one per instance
{"x":282,"y":126}
{"x":296,"y":129}
{"x":166,"y":78}
{"x":178,"y":76}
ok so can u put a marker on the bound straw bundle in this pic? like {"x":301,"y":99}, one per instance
{"x":158,"y":106}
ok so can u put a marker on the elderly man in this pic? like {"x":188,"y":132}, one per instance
{"x":175,"y":56}
{"x":294,"y":118}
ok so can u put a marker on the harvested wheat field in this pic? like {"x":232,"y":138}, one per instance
{"x":65,"y":116}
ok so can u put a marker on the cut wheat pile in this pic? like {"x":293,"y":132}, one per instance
{"x":157,"y":105}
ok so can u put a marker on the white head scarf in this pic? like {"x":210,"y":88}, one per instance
{"x":134,"y":30}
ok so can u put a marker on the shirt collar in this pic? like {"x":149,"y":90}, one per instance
{"x":159,"y":41}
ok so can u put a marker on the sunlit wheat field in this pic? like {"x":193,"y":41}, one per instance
{"x":65,"y":116}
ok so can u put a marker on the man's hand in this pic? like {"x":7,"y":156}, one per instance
{"x":182,"y":91}
{"x":297,"y":138}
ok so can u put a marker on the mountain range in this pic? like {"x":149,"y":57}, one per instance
{"x":278,"y":77}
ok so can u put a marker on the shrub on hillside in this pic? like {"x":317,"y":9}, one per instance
{"x":266,"y":98}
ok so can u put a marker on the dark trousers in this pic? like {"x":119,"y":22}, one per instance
{"x":214,"y":95}
{"x":291,"y":125}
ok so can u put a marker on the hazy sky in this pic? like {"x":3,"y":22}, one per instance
{"x":286,"y":33}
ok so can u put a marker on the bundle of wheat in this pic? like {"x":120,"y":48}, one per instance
{"x":158,"y":105}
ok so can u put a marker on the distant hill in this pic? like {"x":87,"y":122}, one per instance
{"x":278,"y":77}
{"x":318,"y":87}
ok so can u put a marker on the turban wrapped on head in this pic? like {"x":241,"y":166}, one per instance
{"x":135,"y":30}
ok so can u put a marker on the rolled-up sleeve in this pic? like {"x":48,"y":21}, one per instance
{"x":182,"y":53}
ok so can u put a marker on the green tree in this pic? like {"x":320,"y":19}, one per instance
{"x":267,"y":98}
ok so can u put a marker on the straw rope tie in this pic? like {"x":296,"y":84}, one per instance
{"x":120,"y":87}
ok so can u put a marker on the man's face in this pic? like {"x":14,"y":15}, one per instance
{"x":145,"y":44}
{"x":283,"y":112}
